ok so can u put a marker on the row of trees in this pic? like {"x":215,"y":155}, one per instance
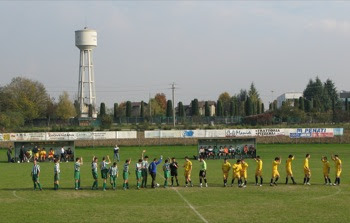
{"x":24,"y":100}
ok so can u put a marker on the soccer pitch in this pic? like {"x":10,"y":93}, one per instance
{"x":282,"y":203}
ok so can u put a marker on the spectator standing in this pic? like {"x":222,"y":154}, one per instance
{"x":116,"y":153}
{"x":9,"y":154}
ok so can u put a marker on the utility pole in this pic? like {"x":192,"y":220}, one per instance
{"x":173,"y":91}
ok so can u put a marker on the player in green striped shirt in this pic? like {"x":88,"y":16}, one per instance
{"x":126,"y":173}
{"x":78,"y":163}
{"x":138,"y":173}
{"x":166,"y":169}
{"x":57,"y":172}
{"x":203,"y":172}
{"x":113,"y":171}
{"x":104,"y":171}
{"x":94,"y":173}
{"x":35,"y":174}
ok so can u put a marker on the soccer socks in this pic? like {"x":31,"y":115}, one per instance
{"x":39,"y":185}
{"x":205,"y":180}
{"x":276,"y":179}
{"x":172,"y":180}
{"x":329,"y":180}
{"x":286,"y":180}
{"x":307,"y":179}
{"x":293,"y":180}
{"x":256,"y":179}
{"x":245,"y":182}
{"x":261,"y":180}
{"x":200,"y":180}
{"x":127,"y":185}
{"x":304,"y":180}
{"x":124,"y":185}
{"x":76,"y":185}
{"x":325,"y":180}
{"x":233,"y":180}
{"x":271,"y":181}
{"x":104,"y":186}
{"x":34,"y":186}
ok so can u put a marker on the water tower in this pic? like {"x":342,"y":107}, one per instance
{"x":86,"y":41}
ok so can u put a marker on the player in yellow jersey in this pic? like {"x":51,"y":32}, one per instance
{"x":275,"y":173}
{"x":244,"y":173}
{"x":188,"y":170}
{"x":226,"y":166}
{"x":289,"y":169}
{"x":338,"y":169}
{"x":307,"y":171}
{"x":258,"y":171}
{"x":236,"y":173}
{"x":326,"y":169}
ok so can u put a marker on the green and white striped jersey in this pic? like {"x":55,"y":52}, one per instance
{"x":166,"y":167}
{"x":126,"y":167}
{"x":36,"y":169}
{"x":77,"y":167}
{"x":56,"y":168}
{"x":104,"y":165}
{"x":138,"y":167}
{"x":94,"y":167}
{"x":113,"y":171}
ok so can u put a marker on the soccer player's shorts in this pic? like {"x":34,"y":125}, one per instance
{"x":236,"y":175}
{"x":56,"y":177}
{"x":113,"y":178}
{"x":325,"y":173}
{"x":258,"y":173}
{"x":275,"y":174}
{"x":94,"y":175}
{"x":225,"y":174}
{"x":187,"y":174}
{"x":35,"y":177}
{"x":104,"y":173}
{"x":202,"y":173}
{"x":125,"y":175}
{"x":138,"y":175}
{"x":337,"y":174}
{"x":76,"y":175}
{"x":244,"y":174}
{"x":166,"y":174}
{"x":307,"y":172}
{"x":289,"y":172}
{"x":174,"y":173}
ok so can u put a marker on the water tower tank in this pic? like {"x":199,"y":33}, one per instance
{"x":86,"y":39}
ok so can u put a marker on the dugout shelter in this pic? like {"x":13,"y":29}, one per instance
{"x":233,"y":148}
{"x":55,"y":145}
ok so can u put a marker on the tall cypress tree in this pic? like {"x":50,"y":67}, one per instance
{"x":232,"y":108}
{"x":169,"y":109}
{"x":115,"y":110}
{"x":195,"y":108}
{"x":346,"y":104}
{"x":219,"y":108}
{"x":248,"y":107}
{"x":142,"y":109}
{"x":128,"y":109}
{"x":258,"y":107}
{"x":180,"y":109}
{"x":102,"y":109}
{"x":206,"y":109}
{"x":301,"y":103}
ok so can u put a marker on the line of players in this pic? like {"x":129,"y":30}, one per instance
{"x":142,"y":169}
{"x":239,"y":171}
{"x":170,"y":167}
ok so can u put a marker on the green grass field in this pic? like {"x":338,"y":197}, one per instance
{"x":284,"y":203}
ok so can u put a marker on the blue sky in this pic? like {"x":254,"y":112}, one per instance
{"x":204,"y":47}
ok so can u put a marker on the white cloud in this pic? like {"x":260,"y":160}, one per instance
{"x":331,"y":25}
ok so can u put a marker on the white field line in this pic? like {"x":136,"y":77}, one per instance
{"x":188,"y":203}
{"x":330,"y":195}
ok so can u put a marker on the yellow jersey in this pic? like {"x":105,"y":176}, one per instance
{"x":289,"y":163}
{"x":259,"y":165}
{"x":306,"y":163}
{"x":337,"y":164}
{"x":326,"y":165}
{"x":236,"y":168}
{"x":188,"y":166}
{"x":244,"y":167}
{"x":275,"y":165}
{"x":226,"y":167}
